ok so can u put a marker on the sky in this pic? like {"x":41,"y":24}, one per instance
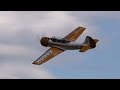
{"x":21,"y":31}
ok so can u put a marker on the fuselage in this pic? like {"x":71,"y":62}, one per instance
{"x":65,"y":46}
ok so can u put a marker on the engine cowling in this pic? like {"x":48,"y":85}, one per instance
{"x":44,"y":41}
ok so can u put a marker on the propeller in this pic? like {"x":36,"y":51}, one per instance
{"x":38,"y":38}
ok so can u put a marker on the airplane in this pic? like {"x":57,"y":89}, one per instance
{"x":59,"y":45}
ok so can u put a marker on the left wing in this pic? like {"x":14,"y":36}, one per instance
{"x":50,"y":53}
{"x":75,"y":34}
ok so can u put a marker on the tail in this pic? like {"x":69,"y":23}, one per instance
{"x":89,"y":43}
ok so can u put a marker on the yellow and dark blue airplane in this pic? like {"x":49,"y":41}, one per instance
{"x":58,"y":45}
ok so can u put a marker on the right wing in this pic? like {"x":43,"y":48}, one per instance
{"x":75,"y":34}
{"x":50,"y":53}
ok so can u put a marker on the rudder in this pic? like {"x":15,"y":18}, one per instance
{"x":91,"y":42}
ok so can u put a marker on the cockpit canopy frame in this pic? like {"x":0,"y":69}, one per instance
{"x":60,"y":40}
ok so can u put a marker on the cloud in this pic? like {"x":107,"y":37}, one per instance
{"x":19,"y":39}
{"x":16,"y":50}
{"x":22,"y":71}
{"x":89,"y":15}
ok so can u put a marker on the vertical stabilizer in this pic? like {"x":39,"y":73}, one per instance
{"x":91,"y":42}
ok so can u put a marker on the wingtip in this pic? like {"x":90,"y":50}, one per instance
{"x":82,"y":27}
{"x":34,"y":63}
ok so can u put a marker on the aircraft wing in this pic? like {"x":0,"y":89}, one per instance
{"x":50,"y":53}
{"x":75,"y":34}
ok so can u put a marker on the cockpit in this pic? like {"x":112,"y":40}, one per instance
{"x":54,"y":39}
